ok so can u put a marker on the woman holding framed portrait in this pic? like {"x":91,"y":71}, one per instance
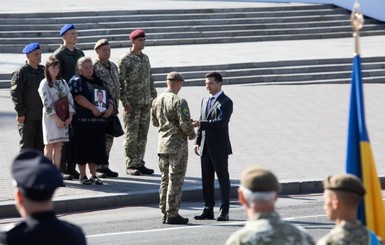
{"x":88,"y":146}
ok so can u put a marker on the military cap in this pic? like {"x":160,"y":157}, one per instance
{"x":137,"y":34}
{"x":175,"y":76}
{"x":101,"y":43}
{"x":30,"y":47}
{"x":259,"y":179}
{"x":344,"y":182}
{"x":66,"y":28}
{"x":35,"y":176}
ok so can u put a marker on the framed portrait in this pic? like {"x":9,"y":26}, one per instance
{"x":100,"y":99}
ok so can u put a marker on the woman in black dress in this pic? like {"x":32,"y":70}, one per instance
{"x":88,"y":144}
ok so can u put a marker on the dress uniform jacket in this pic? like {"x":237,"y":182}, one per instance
{"x":44,"y":229}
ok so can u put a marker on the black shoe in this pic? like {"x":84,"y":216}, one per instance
{"x":208,"y":213}
{"x":75,"y":174}
{"x":164,"y":219}
{"x":178,"y":220}
{"x":223,"y":217}
{"x":110,"y":173}
{"x":144,"y":170}
{"x":95,"y":180}
{"x":132,"y":171}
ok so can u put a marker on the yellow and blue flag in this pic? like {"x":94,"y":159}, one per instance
{"x":360,"y":160}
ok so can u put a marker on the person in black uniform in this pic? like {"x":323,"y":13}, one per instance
{"x":36,"y":179}
{"x":67,"y":54}
{"x":24,"y":93}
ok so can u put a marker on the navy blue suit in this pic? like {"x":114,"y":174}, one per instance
{"x":214,"y":141}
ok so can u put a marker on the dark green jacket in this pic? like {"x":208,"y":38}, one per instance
{"x":24,"y":85}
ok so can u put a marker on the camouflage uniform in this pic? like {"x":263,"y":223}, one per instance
{"x":171,"y":114}
{"x":346,"y":233}
{"x":136,"y":89}
{"x":110,"y":75}
{"x":24,"y":93}
{"x":268,"y":228}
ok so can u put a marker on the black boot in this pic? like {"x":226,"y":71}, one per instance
{"x":208,"y":213}
{"x":224,"y":216}
{"x":178,"y":220}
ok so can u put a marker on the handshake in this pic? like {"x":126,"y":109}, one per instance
{"x":195,"y":123}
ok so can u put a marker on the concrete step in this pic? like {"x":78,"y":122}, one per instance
{"x":280,"y":72}
{"x":187,"y":26}
{"x":167,"y":11}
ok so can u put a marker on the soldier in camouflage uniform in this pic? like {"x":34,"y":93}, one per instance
{"x":171,"y":114}
{"x":258,"y":193}
{"x":137,"y":91}
{"x":342,"y":195}
{"x":24,"y":93}
{"x":108,"y":72}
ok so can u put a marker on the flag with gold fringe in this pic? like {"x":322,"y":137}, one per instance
{"x":360,"y":159}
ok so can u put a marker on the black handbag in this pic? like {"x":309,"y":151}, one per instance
{"x":114,"y":128}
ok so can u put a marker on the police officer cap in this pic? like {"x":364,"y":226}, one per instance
{"x":175,"y":76}
{"x":66,"y":28}
{"x":344,"y":182}
{"x":35,"y":175}
{"x":101,"y":43}
{"x":137,"y":34}
{"x":259,"y":179}
{"x":30,"y":47}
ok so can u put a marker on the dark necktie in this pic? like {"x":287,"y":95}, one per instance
{"x":209,"y":104}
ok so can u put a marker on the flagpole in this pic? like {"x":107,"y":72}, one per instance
{"x":357,"y":21}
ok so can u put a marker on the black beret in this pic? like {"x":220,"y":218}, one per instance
{"x":259,"y":179}
{"x":35,"y":175}
{"x":344,"y":182}
{"x":137,"y":34}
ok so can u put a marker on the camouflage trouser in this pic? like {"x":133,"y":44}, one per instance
{"x":109,"y":142}
{"x":136,"y":124}
{"x":173,"y":169}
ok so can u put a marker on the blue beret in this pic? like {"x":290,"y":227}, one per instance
{"x":66,"y":28}
{"x":30,"y":47}
{"x":36,"y":176}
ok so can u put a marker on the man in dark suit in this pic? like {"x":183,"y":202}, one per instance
{"x":213,"y":146}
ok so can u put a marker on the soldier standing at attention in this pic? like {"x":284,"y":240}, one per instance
{"x":258,"y":193}
{"x":137,"y":91}
{"x":107,"y":71}
{"x":36,"y":179}
{"x":68,"y":55}
{"x":342,"y":195}
{"x":171,"y":114}
{"x":24,"y":93}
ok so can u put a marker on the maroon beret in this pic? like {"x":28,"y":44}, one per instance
{"x":137,"y":34}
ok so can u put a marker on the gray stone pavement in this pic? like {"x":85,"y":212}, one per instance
{"x":298,"y":131}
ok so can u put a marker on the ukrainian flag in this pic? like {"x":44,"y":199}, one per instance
{"x":360,"y":160}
